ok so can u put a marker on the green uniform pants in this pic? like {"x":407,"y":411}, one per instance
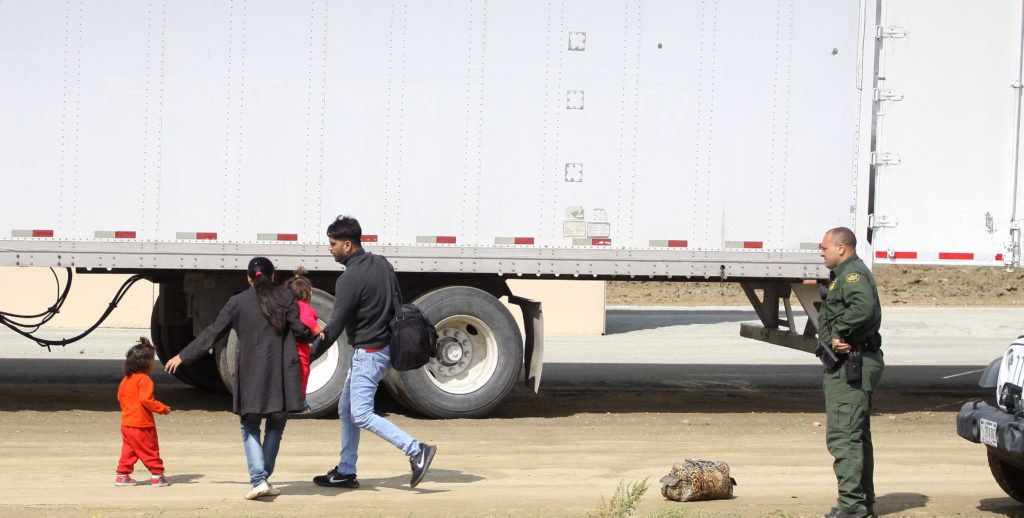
{"x":848,"y":431}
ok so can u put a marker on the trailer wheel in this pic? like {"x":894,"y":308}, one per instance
{"x":1009,"y":477}
{"x":480,"y":353}
{"x":170,"y":340}
{"x":326,"y":374}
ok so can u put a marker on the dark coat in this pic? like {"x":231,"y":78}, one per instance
{"x":267,"y":373}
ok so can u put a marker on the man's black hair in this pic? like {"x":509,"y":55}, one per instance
{"x":346,"y":228}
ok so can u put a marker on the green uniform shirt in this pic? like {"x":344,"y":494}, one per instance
{"x":851,"y":310}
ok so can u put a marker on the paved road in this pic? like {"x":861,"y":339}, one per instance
{"x":935,"y":349}
{"x":925,"y":349}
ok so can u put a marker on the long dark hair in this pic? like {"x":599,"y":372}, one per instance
{"x":260,"y":270}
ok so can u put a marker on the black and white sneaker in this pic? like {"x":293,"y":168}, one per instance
{"x":421,"y":463}
{"x":335,"y":479}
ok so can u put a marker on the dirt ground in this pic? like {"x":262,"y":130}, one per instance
{"x":553,"y":454}
{"x":916,"y":286}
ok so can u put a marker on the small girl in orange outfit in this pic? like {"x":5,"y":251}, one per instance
{"x":138,"y":430}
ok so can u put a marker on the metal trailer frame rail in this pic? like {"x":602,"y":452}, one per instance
{"x":535,"y":262}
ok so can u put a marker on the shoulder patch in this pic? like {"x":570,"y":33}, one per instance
{"x":852,"y":278}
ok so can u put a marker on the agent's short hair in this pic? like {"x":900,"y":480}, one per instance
{"x":140,"y":357}
{"x":845,"y":236}
{"x":346,"y":228}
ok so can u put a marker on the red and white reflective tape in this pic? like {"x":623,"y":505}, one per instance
{"x":940,"y":256}
{"x":513,"y":240}
{"x":31,"y":233}
{"x":588,"y":241}
{"x":669,"y":243}
{"x":744,"y":244}
{"x":371,"y":238}
{"x":196,"y":235}
{"x":440,"y":240}
{"x":270,"y":236}
{"x":115,"y":234}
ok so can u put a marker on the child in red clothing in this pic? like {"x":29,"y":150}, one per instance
{"x":138,"y":430}
{"x":303,"y":291}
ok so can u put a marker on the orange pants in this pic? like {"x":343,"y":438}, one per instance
{"x":139,"y":444}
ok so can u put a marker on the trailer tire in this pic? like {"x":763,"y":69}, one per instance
{"x":170,"y":340}
{"x":486,"y":355}
{"x":326,"y":375}
{"x":1009,"y":477}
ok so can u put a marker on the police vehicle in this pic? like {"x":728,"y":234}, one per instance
{"x":1000,"y":428}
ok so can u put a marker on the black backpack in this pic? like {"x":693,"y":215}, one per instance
{"x":413,"y":337}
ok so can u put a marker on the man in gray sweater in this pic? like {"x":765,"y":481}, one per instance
{"x":363,"y":307}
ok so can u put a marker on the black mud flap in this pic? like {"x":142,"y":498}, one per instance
{"x":533,"y":353}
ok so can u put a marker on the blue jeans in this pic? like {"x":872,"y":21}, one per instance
{"x":355,"y":408}
{"x":261,"y":456}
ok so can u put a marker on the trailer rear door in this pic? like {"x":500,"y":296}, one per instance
{"x":948,"y":107}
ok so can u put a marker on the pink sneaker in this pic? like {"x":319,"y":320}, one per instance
{"x":160,"y":481}
{"x":124,"y":480}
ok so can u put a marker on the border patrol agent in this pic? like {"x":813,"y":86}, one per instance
{"x":848,"y":323}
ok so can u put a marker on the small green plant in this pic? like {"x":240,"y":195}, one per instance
{"x":623,"y":502}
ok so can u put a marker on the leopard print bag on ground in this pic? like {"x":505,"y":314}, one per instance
{"x":697,"y":479}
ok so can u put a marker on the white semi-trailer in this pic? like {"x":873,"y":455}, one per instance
{"x":483,"y":140}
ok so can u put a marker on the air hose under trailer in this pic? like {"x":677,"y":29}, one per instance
{"x":29,"y":325}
